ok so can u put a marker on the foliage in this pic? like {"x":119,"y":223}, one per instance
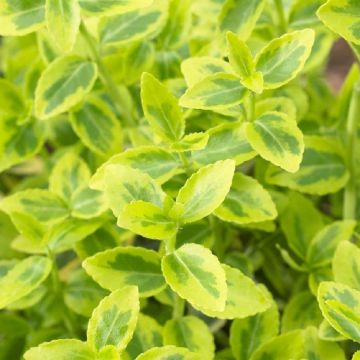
{"x":178,"y":181}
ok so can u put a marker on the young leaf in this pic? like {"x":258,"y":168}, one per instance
{"x":283,"y":58}
{"x":191,"y":142}
{"x":277,"y":139}
{"x":244,"y":297}
{"x":23,"y":278}
{"x":168,"y":352}
{"x":346,"y":264}
{"x":104,"y":140}
{"x":290,"y":345}
{"x":116,"y":268}
{"x":205,"y":190}
{"x":63,"y":84}
{"x":21,"y":17}
{"x":196,"y":275}
{"x":192,"y":333}
{"x":323,"y":246}
{"x":62,"y":349}
{"x":226,"y":141}
{"x":147,"y":220}
{"x":114,"y":320}
{"x":246,"y":335}
{"x":122,"y":185}
{"x":215,"y":92}
{"x":243,"y":63}
{"x":322,"y":170}
{"x":161,"y":109}
{"x":134,"y":25}
{"x":342,"y":17}
{"x":240,"y":16}
{"x":340,"y":306}
{"x":87,"y":203}
{"x":111,"y":7}
{"x":158,"y":163}
{"x":196,"y":69}
{"x":242,"y":203}
{"x":63,"y":20}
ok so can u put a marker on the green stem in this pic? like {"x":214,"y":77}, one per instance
{"x":179,"y":307}
{"x":186,"y":163}
{"x":120,"y":95}
{"x":54,"y":273}
{"x":349,"y":210}
{"x":281,"y":15}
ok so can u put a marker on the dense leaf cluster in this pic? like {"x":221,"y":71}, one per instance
{"x":178,"y":181}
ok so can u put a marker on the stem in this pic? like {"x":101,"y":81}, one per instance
{"x":120,"y":95}
{"x":179,"y":307}
{"x":281,"y":15}
{"x":54,"y":272}
{"x":349,"y":210}
{"x":186,"y":163}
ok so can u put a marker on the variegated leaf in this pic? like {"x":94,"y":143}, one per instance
{"x":105,"y":7}
{"x":277,"y":139}
{"x":196,"y":275}
{"x":116,"y":268}
{"x":114,"y":320}
{"x":63,"y":84}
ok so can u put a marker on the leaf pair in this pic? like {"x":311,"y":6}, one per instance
{"x":277,"y":64}
{"x":109,"y":330}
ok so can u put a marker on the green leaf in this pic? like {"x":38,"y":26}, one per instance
{"x":303,"y":13}
{"x":226,"y":141}
{"x":19,"y":142}
{"x":244,"y":297}
{"x":240,"y":16}
{"x":322,"y":170}
{"x":110,"y":7}
{"x":300,"y":222}
{"x":114,"y":320}
{"x":279,"y":104}
{"x":134,"y":25}
{"x":148,"y":334}
{"x":340,"y":305}
{"x":300,"y":312}
{"x":246,"y":202}
{"x":283,"y":347}
{"x":214,"y":92}
{"x":346,"y":264}
{"x":11,"y":100}
{"x":356,"y":356}
{"x":147,"y":220}
{"x":69,"y":174}
{"x":196,"y":69}
{"x":191,"y":142}
{"x":97,"y":127}
{"x":21,"y":17}
{"x":192,"y":333}
{"x":246,"y":335}
{"x":241,"y":60}
{"x":342,"y":17}
{"x":323,"y":246}
{"x":63,"y":21}
{"x":116,"y":268}
{"x":277,"y":139}
{"x":283,"y":58}
{"x":196,"y":275}
{"x":82,"y":294}
{"x":42,"y":205}
{"x":158,"y":163}
{"x":328,"y":333}
{"x":63,"y":84}
{"x":167,"y":353}
{"x":161,"y":109}
{"x":87,"y":203}
{"x":62,"y":349}
{"x":205,"y":190}
{"x":122,"y":185}
{"x":23,"y":278}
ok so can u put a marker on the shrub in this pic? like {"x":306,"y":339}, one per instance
{"x":178,"y":180}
